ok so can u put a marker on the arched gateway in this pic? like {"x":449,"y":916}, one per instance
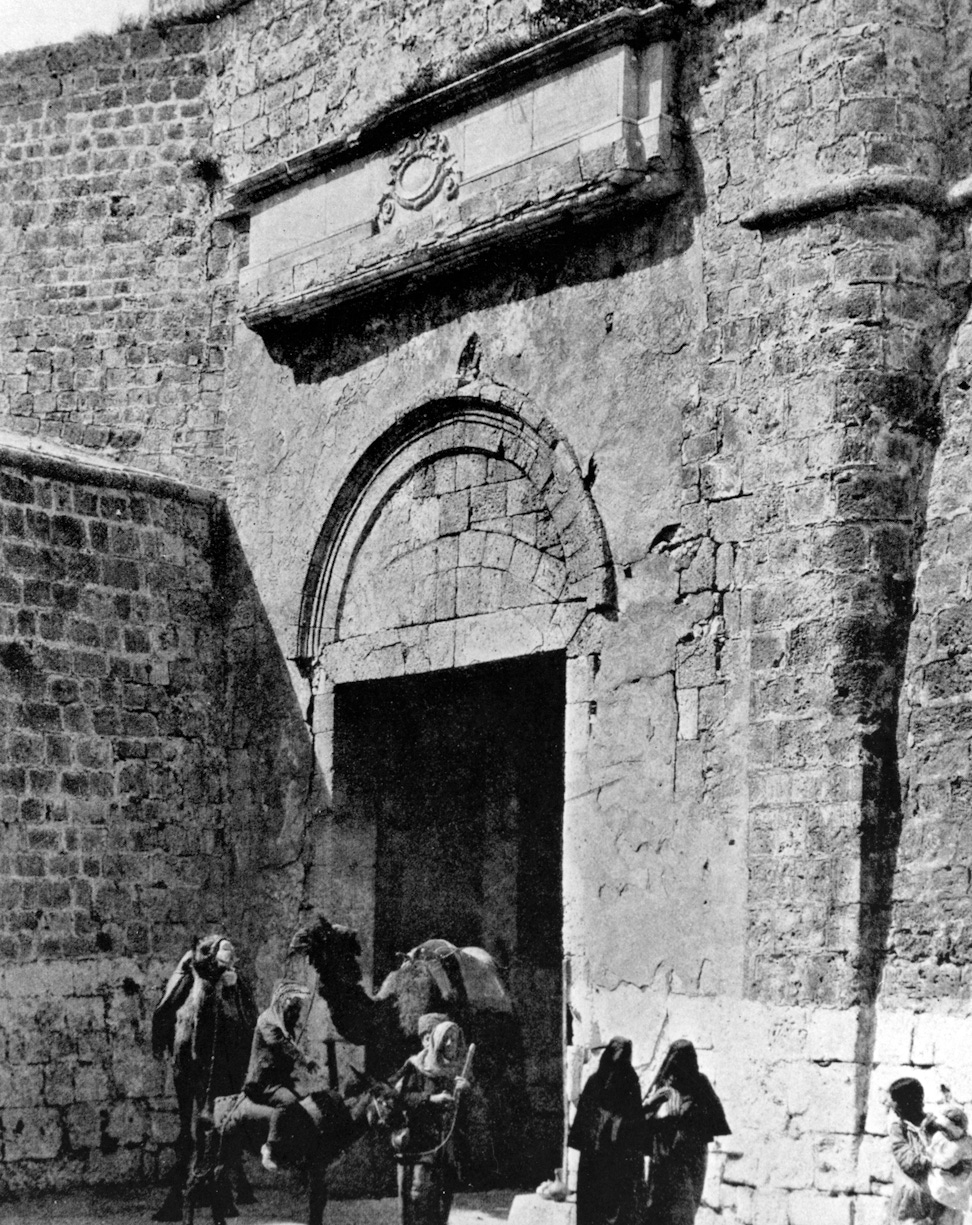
{"x":465,"y":509}
{"x":451,"y":581}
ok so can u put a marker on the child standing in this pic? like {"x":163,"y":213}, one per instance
{"x":911,"y":1199}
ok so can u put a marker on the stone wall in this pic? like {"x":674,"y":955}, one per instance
{"x":757,"y":392}
{"x":114,"y":844}
{"x":151,"y":757}
{"x":731,"y":735}
{"x":928,"y":965}
{"x":116,"y":310}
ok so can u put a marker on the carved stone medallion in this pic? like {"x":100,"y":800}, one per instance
{"x":421,"y":169}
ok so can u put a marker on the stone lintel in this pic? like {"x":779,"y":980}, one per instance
{"x":456,"y":643}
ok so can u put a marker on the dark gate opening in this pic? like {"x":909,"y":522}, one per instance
{"x":462,"y":773}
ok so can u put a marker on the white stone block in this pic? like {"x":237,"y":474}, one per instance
{"x":769,"y":1207}
{"x":688,"y":714}
{"x":738,"y":1204}
{"x":712,"y":1190}
{"x":743,"y":1160}
{"x":871,"y":1210}
{"x":833,"y":1103}
{"x":779,"y":1033}
{"x":836,"y":1164}
{"x":808,"y":1208}
{"x":497,"y":134}
{"x":832,"y":1035}
{"x":957,"y":1080}
{"x":892,"y":1042}
{"x":788,"y":1163}
{"x":873,"y":1163}
{"x":952,"y":1042}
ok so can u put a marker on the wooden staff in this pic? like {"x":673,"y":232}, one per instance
{"x":467,"y":1066}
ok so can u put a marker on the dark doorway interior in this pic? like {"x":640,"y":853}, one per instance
{"x":462,"y":773}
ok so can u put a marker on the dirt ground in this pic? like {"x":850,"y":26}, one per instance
{"x":277,"y":1206}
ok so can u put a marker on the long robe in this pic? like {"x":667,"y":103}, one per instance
{"x":606,"y":1131}
{"x":682,"y":1115}
{"x":432,"y":1140}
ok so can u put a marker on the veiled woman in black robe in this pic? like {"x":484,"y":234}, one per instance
{"x":606,"y":1131}
{"x":682,"y":1115}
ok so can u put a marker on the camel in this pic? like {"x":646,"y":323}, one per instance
{"x":436,"y":976}
{"x":205,"y":1022}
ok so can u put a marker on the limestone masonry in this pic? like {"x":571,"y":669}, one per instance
{"x":394,"y":384}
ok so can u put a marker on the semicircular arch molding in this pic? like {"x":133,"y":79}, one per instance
{"x":418,"y":447}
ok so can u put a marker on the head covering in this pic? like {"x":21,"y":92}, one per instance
{"x":688,"y":1092}
{"x":615,"y":1075}
{"x":609,"y":1109}
{"x":283,"y":993}
{"x":428,"y":1021}
{"x":680,"y":1065}
{"x":434,"y":1060}
{"x":206,"y":960}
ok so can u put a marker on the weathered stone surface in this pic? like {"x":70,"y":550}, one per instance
{"x":767,"y":648}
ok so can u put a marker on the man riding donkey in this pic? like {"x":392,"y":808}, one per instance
{"x":277,"y":1064}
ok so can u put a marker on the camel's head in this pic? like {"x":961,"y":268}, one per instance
{"x":331,"y":949}
{"x":213,"y":956}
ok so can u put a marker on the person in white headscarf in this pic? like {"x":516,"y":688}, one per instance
{"x":275,"y":1059}
{"x":428,"y":1123}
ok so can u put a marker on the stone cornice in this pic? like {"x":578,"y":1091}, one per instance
{"x":632,"y":26}
{"x":858,"y":191}
{"x":413,"y":265}
{"x":58,"y":463}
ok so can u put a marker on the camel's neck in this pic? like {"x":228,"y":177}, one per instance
{"x":353,"y":1011}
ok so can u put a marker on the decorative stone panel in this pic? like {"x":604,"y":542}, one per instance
{"x":565,"y":130}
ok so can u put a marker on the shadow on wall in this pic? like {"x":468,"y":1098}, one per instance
{"x":276,"y":795}
{"x":631,"y":238}
{"x":580,"y":253}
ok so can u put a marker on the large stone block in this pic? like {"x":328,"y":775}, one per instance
{"x":31,"y":1133}
{"x":807,"y":1208}
{"x":832,"y":1035}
